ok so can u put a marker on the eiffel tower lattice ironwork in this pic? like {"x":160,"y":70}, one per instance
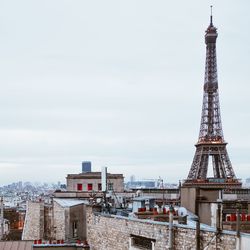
{"x":211,"y":146}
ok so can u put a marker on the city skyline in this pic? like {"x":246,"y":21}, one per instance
{"x":118,"y":84}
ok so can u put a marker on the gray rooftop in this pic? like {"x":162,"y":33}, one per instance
{"x":16,"y":245}
{"x":69,"y":202}
{"x":143,"y":198}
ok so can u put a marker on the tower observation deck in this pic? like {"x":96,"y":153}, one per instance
{"x":211,"y":146}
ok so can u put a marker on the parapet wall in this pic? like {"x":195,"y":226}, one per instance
{"x":114,"y":232}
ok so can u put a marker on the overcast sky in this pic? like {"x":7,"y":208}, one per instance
{"x":118,"y":83}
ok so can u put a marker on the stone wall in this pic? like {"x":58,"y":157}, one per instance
{"x":114,"y":232}
{"x":63,"y":219}
{"x":48,"y":227}
{"x":78,"y":216}
{"x":34,"y":221}
{"x":59,"y":221}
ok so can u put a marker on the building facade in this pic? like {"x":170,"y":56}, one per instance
{"x":91,"y":181}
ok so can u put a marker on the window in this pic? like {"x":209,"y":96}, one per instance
{"x":139,"y":242}
{"x":90,"y":186}
{"x":74,"y":229}
{"x":99,"y":186}
{"x":79,"y":187}
{"x":110,"y":186}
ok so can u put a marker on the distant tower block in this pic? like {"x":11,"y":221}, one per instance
{"x":211,"y":146}
{"x":86,"y":166}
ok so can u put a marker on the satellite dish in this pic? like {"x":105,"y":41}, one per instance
{"x":138,"y":193}
{"x":182,"y":211}
{"x":99,"y":200}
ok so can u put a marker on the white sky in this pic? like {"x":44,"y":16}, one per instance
{"x":118,"y":83}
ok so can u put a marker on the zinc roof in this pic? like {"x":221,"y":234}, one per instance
{"x":69,"y":202}
{"x":16,"y":245}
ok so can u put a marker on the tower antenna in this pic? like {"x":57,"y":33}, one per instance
{"x":211,"y":16}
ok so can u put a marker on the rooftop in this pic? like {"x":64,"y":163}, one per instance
{"x":69,"y":202}
{"x":16,"y":245}
{"x":93,"y":175}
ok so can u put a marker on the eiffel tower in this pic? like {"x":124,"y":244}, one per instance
{"x":211,"y":146}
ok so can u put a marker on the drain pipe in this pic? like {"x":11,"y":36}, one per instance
{"x":171,"y":231}
{"x":238,"y":243}
{"x":197,"y":233}
{"x":1,"y":218}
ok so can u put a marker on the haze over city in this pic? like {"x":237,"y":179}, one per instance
{"x":118,"y":83}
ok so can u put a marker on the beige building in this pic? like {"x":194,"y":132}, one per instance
{"x":217,"y":207}
{"x":69,"y":220}
{"x":91,"y":181}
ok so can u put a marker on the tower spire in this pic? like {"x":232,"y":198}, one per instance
{"x":211,"y":15}
{"x":211,"y":146}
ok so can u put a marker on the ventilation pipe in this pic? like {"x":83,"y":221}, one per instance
{"x":171,"y":231}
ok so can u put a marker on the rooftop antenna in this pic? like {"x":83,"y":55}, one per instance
{"x":104,"y":186}
{"x":211,"y":15}
{"x":1,"y":218}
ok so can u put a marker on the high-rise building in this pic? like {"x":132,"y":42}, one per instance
{"x":86,"y":166}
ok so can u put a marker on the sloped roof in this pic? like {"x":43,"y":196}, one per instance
{"x":69,"y":202}
{"x":16,"y":245}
